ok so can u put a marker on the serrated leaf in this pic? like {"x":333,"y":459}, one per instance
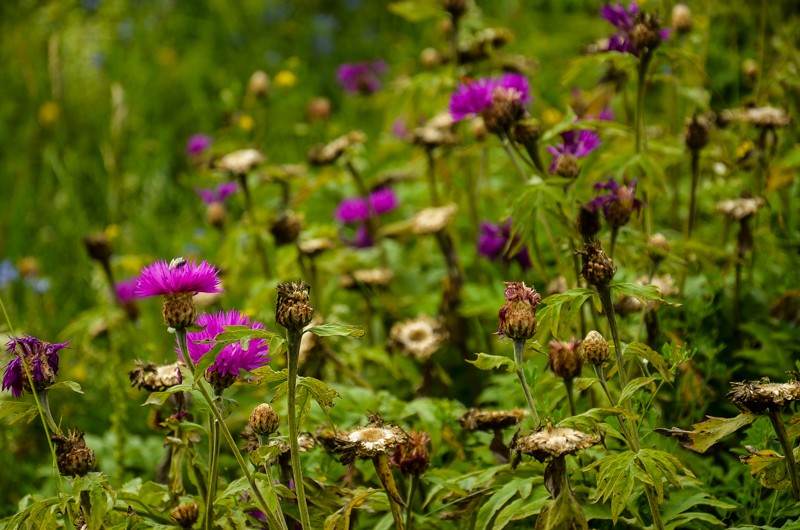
{"x":521,"y":509}
{"x":18,"y":410}
{"x":336,"y":330}
{"x":264,"y":454}
{"x":158,"y":398}
{"x":770,"y":468}
{"x":237,"y":486}
{"x":303,"y":404}
{"x":643,"y":293}
{"x":616,"y":475}
{"x":654,"y":359}
{"x":322,"y":394}
{"x":71,"y":385}
{"x":497,"y":500}
{"x":590,"y":419}
{"x":632,"y":387}
{"x":490,"y":362}
{"x":580,"y":384}
{"x":550,"y":315}
{"x":341,"y":519}
{"x":793,"y":427}
{"x":709,"y":432}
{"x":208,"y":358}
{"x":267,"y":375}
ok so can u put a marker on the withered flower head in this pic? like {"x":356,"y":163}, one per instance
{"x":629,"y":304}
{"x":588,"y":222}
{"x":565,"y":358}
{"x":681,"y":18}
{"x":98,"y":247}
{"x":767,"y":117}
{"x":380,"y":277}
{"x":761,"y":396}
{"x":595,"y":348}
{"x":287,"y":227}
{"x":436,"y":132}
{"x":598,"y":268}
{"x":420,"y":337}
{"x":518,"y":315}
{"x":491,"y":420}
{"x":738,"y":209}
{"x":185,"y":515}
{"x":264,"y":420}
{"x":74,"y":458}
{"x":241,"y":162}
{"x":550,"y":441}
{"x":378,"y":437}
{"x":324,"y":154}
{"x":293,"y":310}
{"x":313,"y":247}
{"x":432,"y":220}
{"x":646,"y":33}
{"x":657,"y":247}
{"x":696,"y":132}
{"x":413,"y":455}
{"x":155,"y":378}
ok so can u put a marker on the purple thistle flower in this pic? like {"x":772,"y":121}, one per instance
{"x":625,"y":20}
{"x":126,"y":290}
{"x":40,"y":357}
{"x":495,"y":241}
{"x":361,"y":78}
{"x":161,"y":278}
{"x":474,"y":98}
{"x":576,"y":143}
{"x":197,"y":144}
{"x":362,"y":239}
{"x":383,"y":200}
{"x":222,"y":192}
{"x":352,"y":210}
{"x":232,"y":359}
{"x":618,"y":204}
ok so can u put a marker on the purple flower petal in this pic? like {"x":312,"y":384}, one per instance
{"x":383,"y":200}
{"x":232,"y":359}
{"x":352,"y":210}
{"x":159,"y":279}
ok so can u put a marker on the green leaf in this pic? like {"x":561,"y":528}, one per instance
{"x":234,"y":488}
{"x":591,"y":419}
{"x":18,"y":410}
{"x":322,"y":394}
{"x":659,"y":465}
{"x":521,"y":509}
{"x":415,"y":10}
{"x":616,"y":475}
{"x":642,"y":292}
{"x":498,"y":499}
{"x":632,"y":387}
{"x":770,"y":468}
{"x":158,"y":398}
{"x":564,"y":512}
{"x":267,"y":375}
{"x":709,"y":432}
{"x":654,"y":359}
{"x":209,"y":358}
{"x":71,"y":385}
{"x":550,"y":316}
{"x":490,"y":362}
{"x":303,"y":404}
{"x":264,"y":454}
{"x":336,"y":330}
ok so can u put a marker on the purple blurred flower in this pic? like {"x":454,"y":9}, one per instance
{"x":361,"y":78}
{"x":40,"y":357}
{"x":495,"y":241}
{"x":356,"y":209}
{"x":162,"y":278}
{"x":222,"y":192}
{"x":473,"y":98}
{"x":576,"y":143}
{"x":361,"y":239}
{"x":624,"y":20}
{"x":232,"y":359}
{"x":197,"y":144}
{"x":383,"y":200}
{"x":618,"y":204}
{"x":126,"y":290}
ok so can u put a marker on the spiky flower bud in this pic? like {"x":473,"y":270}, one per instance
{"x":646,"y":32}
{"x":456,"y":8}
{"x":74,"y":458}
{"x":598,"y":268}
{"x":293,"y":309}
{"x":185,"y":515}
{"x":681,"y":18}
{"x":696,"y":133}
{"x":220,"y":381}
{"x":286,"y":229}
{"x":527,"y":132}
{"x":567,"y":167}
{"x":264,"y":420}
{"x":588,"y":222}
{"x":565,"y":359}
{"x":413,"y":455}
{"x":98,"y":247}
{"x":518,"y":315}
{"x":595,"y":348}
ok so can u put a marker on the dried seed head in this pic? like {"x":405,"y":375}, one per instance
{"x":264,"y":420}
{"x":216,"y":214}
{"x":314,"y":247}
{"x":696,"y":132}
{"x":565,"y":359}
{"x":319,"y":109}
{"x":766,"y":117}
{"x":681,"y":18}
{"x":567,"y":167}
{"x":738,"y":209}
{"x":491,"y":420}
{"x":376,"y":438}
{"x":432,"y":220}
{"x":98,"y":247}
{"x":74,"y":458}
{"x":286,"y":228}
{"x":598,"y":268}
{"x":436,"y":132}
{"x":646,"y":32}
{"x":380,"y":277}
{"x":241,"y":162}
{"x":595,"y":348}
{"x":323,"y":154}
{"x":258,"y":85}
{"x":185,"y":515}
{"x":517,"y":318}
{"x":420,"y":337}
{"x":155,"y":378}
{"x":588,"y":222}
{"x":413,"y":455}
{"x":759,"y":397}
{"x":178,"y":310}
{"x":554,"y":442}
{"x":293,"y":309}
{"x":657,"y":247}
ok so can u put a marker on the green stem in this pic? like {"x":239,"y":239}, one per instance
{"x":783,"y":439}
{"x":275,"y":520}
{"x":608,"y":308}
{"x":293,"y":341}
{"x":614,"y":234}
{"x":213,"y":470}
{"x":384,"y":471}
{"x":601,"y":376}
{"x":519,"y":347}
{"x":431,"y":175}
{"x":641,"y":142}
{"x":412,"y":489}
{"x":568,"y":385}
{"x":693,"y":196}
{"x":510,"y":152}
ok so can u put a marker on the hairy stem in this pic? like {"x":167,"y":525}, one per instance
{"x":293,"y":342}
{"x":519,"y":347}
{"x":608,"y":308}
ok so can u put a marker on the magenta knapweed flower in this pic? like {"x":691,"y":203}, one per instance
{"x":232,"y":359}
{"x":624,"y":20}
{"x":472,"y":99}
{"x":361,"y":78}
{"x":356,"y":209}
{"x":383,"y":200}
{"x":197,"y":144}
{"x":222,"y":192}
{"x":577,"y":144}
{"x":618,"y":204}
{"x":493,"y":242}
{"x":126,"y":290}
{"x":39,"y":357}
{"x":180,"y":276}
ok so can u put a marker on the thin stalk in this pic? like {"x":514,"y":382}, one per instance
{"x":693,"y":196}
{"x":213,"y":465}
{"x":510,"y":152}
{"x":568,"y":385}
{"x":641,"y":142}
{"x":608,"y":308}
{"x":783,"y":439}
{"x":412,"y":489}
{"x":614,"y":234}
{"x":519,"y":347}
{"x":48,"y":416}
{"x":601,"y":376}
{"x":384,"y":471}
{"x":431,"y":175}
{"x":293,"y":341}
{"x":274,"y":521}
{"x":737,"y":286}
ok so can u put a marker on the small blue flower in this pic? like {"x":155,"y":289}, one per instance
{"x":8,"y":272}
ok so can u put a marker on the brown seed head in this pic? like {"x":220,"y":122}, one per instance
{"x":681,"y":18}
{"x":293,"y":310}
{"x":155,"y":378}
{"x":646,"y":32}
{"x":98,"y":247}
{"x":491,"y":420}
{"x":598,"y":269}
{"x":419,"y":338}
{"x":759,"y":397}
{"x":595,"y":348}
{"x":185,"y":515}
{"x":565,"y":358}
{"x":241,"y":162}
{"x":74,"y":458}
{"x":413,"y":455}
{"x":286,"y":228}
{"x":178,"y":310}
{"x":696,"y":132}
{"x":517,"y":318}
{"x":550,"y":441}
{"x":376,"y":438}
{"x":319,"y":109}
{"x":264,"y":420}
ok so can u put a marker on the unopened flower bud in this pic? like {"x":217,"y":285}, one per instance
{"x":286,"y":228}
{"x":258,"y":85}
{"x":413,"y":455}
{"x":750,"y":70}
{"x":98,"y":247}
{"x":696,"y":133}
{"x":220,"y":381}
{"x":598,"y":268}
{"x":319,"y":109}
{"x":74,"y":458}
{"x":588,"y":222}
{"x":595,"y":348}
{"x":565,"y":359}
{"x":430,"y":58}
{"x":518,"y":315}
{"x":293,"y":309}
{"x":567,"y":167}
{"x":657,"y":247}
{"x":527,"y":132}
{"x":185,"y":515}
{"x":646,"y":32}
{"x":264,"y":420}
{"x":681,"y":18}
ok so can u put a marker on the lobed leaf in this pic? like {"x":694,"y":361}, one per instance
{"x":709,"y":432}
{"x":337,"y":330}
{"x":490,"y":362}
